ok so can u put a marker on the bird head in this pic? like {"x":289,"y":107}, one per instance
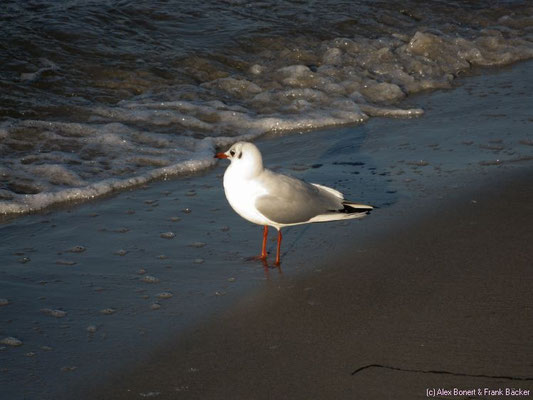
{"x":245,"y":156}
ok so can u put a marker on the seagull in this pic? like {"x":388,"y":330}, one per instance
{"x":267,"y":198}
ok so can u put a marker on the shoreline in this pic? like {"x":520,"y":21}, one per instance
{"x":202,"y":163}
{"x":441,"y":304}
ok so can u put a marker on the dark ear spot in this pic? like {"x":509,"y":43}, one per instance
{"x":240,"y":155}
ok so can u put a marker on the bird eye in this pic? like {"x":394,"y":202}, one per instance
{"x":232,"y":152}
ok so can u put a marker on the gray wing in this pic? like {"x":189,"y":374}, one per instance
{"x":291,"y":201}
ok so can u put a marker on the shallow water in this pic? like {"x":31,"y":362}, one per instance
{"x":102,"y":95}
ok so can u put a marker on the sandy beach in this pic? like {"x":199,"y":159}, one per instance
{"x":441,"y":304}
{"x":125,"y":273}
{"x":147,"y":293}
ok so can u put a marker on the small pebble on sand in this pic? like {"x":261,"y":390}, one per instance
{"x":108,"y":311}
{"x":198,"y":260}
{"x":54,"y":313}
{"x":155,"y":306}
{"x":197,"y":244}
{"x":4,"y":302}
{"x":490,"y":162}
{"x":164,"y":295}
{"x":191,"y":193}
{"x":121,"y":252}
{"x":92,"y":328}
{"x":419,"y":163}
{"x":11,"y":341}
{"x":168,"y":235}
{"x":150,"y":279}
{"x":175,"y":219}
{"x":77,"y":249}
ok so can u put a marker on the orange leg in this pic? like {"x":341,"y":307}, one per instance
{"x":279,"y":247}
{"x":264,"y":248}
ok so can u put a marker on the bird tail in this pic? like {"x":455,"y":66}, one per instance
{"x":350,"y":211}
{"x":358,"y":208}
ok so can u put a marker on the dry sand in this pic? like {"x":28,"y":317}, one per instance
{"x":445,"y":303}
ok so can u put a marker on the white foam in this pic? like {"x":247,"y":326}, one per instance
{"x":32,"y":76}
{"x":57,"y":174}
{"x":27,"y":203}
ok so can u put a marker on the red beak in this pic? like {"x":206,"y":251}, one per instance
{"x":221,"y":155}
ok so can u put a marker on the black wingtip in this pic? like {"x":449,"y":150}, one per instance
{"x":351,"y":209}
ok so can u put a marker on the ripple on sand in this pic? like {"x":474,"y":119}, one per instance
{"x":65,"y":262}
{"x":54,"y":313}
{"x":150,"y":279}
{"x":164,"y":295}
{"x":11,"y":341}
{"x":76,"y":249}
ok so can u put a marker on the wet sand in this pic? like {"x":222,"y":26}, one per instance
{"x":444,"y":303}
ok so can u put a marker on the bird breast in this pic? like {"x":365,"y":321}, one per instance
{"x":242,"y":194}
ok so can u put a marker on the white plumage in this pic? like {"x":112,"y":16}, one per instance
{"x":267,"y":198}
